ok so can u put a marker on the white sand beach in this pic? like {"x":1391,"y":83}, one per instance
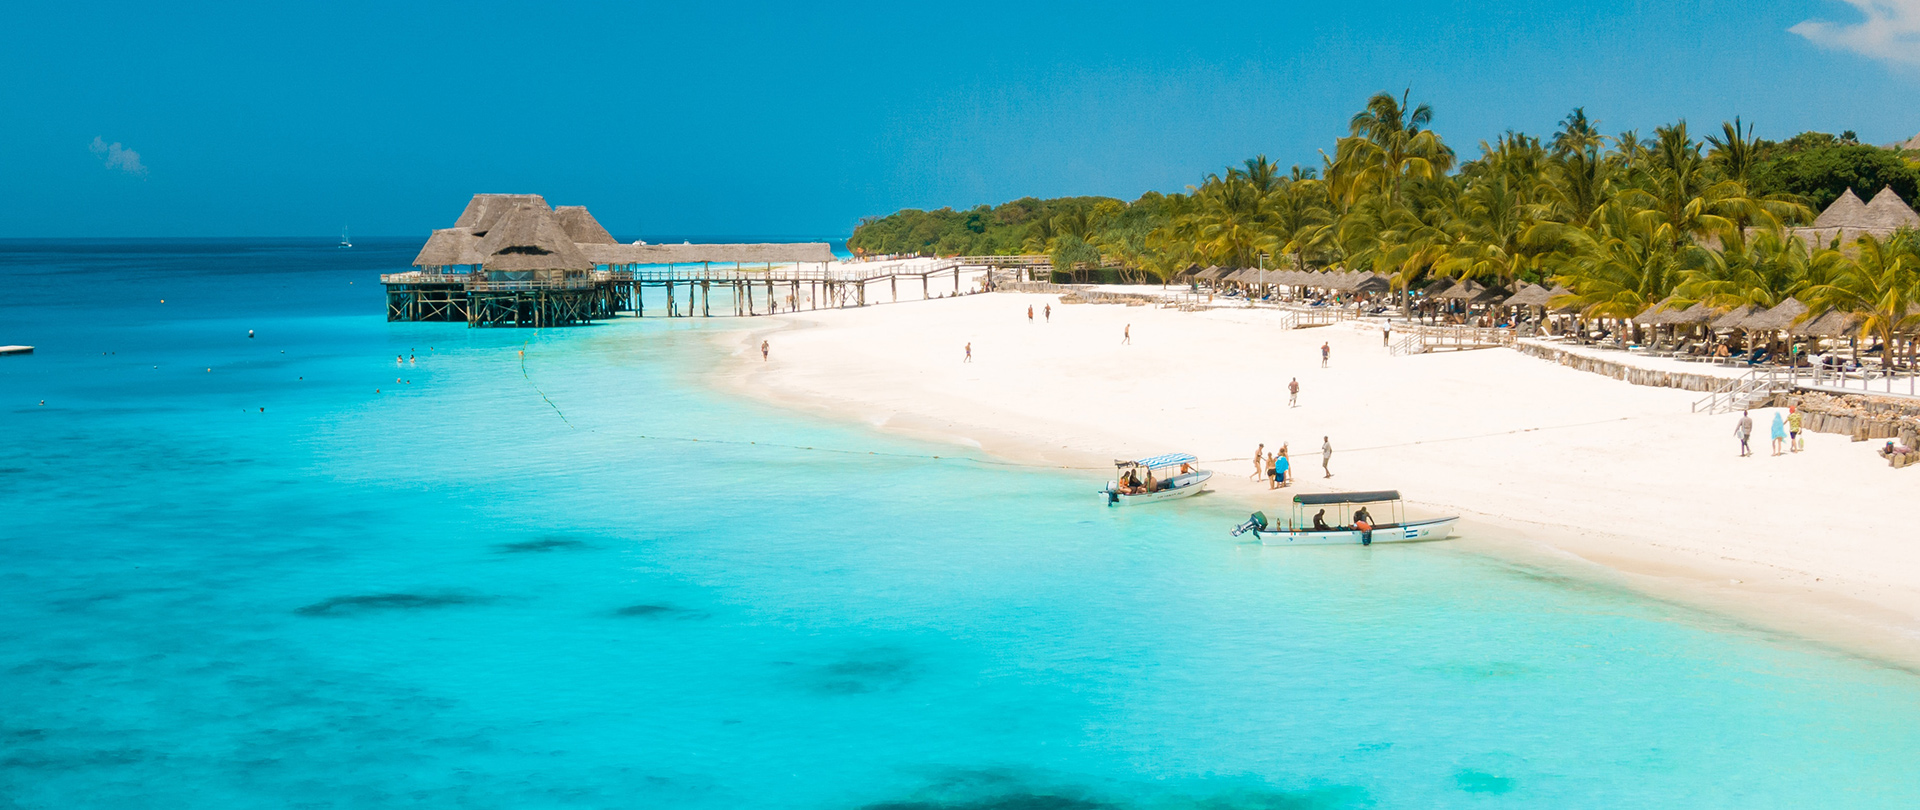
{"x":1548,"y":464}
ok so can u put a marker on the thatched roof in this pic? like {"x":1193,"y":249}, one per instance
{"x":1531,"y":295}
{"x":1657,"y":314}
{"x":1848,"y":219}
{"x":1833,"y":323}
{"x":1463,"y":290}
{"x":1887,"y":210}
{"x":581,"y":227}
{"x":1846,"y":211}
{"x":1777,"y":319}
{"x":485,"y":210}
{"x":448,"y":247}
{"x":528,"y":237}
{"x":1696,"y":314}
{"x":747,"y":253}
{"x":1212,"y":273}
{"x":1369,"y":281}
{"x":1737,"y":318}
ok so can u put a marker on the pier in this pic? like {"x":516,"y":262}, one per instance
{"x":510,"y":260}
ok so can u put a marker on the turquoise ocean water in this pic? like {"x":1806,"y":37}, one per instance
{"x":480,"y":587}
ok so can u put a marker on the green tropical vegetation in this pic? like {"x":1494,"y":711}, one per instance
{"x":1623,"y":221}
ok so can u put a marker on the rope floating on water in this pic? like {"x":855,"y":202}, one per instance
{"x":998,"y":463}
{"x":536,"y":386}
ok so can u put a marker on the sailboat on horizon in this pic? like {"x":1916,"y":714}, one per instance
{"x":346,"y":241}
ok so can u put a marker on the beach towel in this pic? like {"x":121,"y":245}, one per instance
{"x":1779,"y":426}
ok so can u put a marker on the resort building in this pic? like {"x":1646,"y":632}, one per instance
{"x":511,"y":260}
{"x":1848,"y":219}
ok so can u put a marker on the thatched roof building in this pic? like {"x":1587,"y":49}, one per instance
{"x":1848,"y":219}
{"x":529,"y":237}
{"x":514,"y":233}
{"x":450,"y":247}
{"x":581,"y":227}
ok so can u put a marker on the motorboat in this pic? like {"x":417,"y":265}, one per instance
{"x":1353,"y":521}
{"x":1157,"y":478}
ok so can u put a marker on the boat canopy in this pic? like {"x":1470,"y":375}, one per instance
{"x":1323,"y":498}
{"x":1155,"y":462}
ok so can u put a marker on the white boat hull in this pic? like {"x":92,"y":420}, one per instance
{"x":1183,"y":486}
{"x":1410,"y":532}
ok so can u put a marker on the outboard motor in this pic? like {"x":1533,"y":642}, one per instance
{"x":1256,"y":523}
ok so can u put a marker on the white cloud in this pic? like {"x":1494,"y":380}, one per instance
{"x":118,"y":157}
{"x":1890,"y":32}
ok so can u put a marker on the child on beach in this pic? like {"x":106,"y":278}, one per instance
{"x":1793,"y":428}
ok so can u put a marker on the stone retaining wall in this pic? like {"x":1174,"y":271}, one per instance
{"x":1622,"y":371}
{"x":1863,"y":417}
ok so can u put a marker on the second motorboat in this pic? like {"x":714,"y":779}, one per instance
{"x":1352,"y":521}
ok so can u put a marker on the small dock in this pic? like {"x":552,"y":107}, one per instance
{"x":16,"y":350}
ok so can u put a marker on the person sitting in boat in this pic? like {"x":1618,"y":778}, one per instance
{"x":1152,"y":486}
{"x":1131,"y":484}
{"x":1364,"y":522}
{"x":1320,"y":521}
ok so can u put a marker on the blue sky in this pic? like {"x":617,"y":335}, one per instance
{"x":264,"y":119}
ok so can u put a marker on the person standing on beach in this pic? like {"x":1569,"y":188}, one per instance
{"x":765,"y":349}
{"x":1293,"y":393}
{"x":1049,"y":313}
{"x":1386,"y":333}
{"x":1326,"y":456}
{"x":969,"y":353}
{"x":1326,"y":351}
{"x":1743,"y":430}
{"x":1259,"y":461}
{"x":1793,"y":428}
{"x":1779,"y":433}
{"x":1126,"y":336}
{"x":1029,"y":313}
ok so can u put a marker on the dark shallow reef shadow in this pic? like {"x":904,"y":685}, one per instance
{"x":998,"y":789}
{"x":541,"y":545}
{"x":650,"y":611}
{"x":877,"y":669}
{"x":380,"y":602}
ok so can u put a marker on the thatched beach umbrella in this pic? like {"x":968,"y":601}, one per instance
{"x":1737,"y":318}
{"x":1658,"y":314}
{"x":1531,"y":295}
{"x":1831,"y":324}
{"x":1777,"y":319}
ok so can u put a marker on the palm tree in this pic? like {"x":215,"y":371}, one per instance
{"x":1394,"y":143}
{"x":1882,"y":285}
{"x":1577,"y":135}
{"x":1622,"y":268}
